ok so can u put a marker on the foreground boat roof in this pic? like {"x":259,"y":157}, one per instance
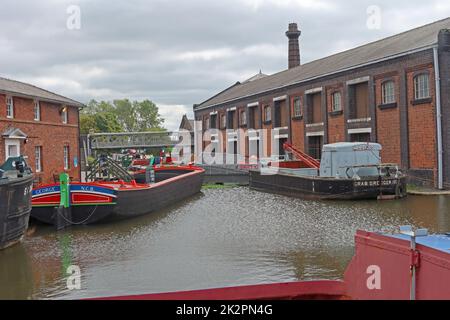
{"x":439,"y":242}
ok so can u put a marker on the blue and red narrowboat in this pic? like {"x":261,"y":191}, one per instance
{"x":102,"y":201}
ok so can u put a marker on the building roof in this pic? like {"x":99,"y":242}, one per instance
{"x":257,"y":76}
{"x":14,"y":87}
{"x":410,"y":41}
{"x":187,"y":124}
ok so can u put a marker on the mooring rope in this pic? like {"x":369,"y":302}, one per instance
{"x":79,"y":223}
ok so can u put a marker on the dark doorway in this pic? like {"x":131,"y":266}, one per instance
{"x":359,"y":101}
{"x":315,"y":147}
{"x":281,"y":143}
{"x":213,"y":124}
{"x":231,"y":116}
{"x":252,"y":118}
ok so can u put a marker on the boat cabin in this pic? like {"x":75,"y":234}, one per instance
{"x":345,"y":160}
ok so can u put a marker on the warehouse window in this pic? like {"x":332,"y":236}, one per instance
{"x":9,"y":107}
{"x":231,"y":116}
{"x":336,"y":102}
{"x":223,"y":121}
{"x":38,"y":158}
{"x":207,"y":123}
{"x":388,"y":92}
{"x":243,"y":118}
{"x":213,"y":122}
{"x":267,"y":114}
{"x":64,"y":115}
{"x":66,"y":158}
{"x":297,"y":107}
{"x":37,"y":111}
{"x":422,"y":86}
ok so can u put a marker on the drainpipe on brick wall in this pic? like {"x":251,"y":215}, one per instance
{"x":438,"y":118}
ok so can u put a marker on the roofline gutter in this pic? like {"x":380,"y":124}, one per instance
{"x":27,"y":96}
{"x":437,"y":78}
{"x":433,"y":46}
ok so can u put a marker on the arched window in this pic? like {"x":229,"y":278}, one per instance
{"x":388,"y":92}
{"x":422,"y":86}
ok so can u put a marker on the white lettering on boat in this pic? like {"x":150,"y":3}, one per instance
{"x":374,"y":280}
{"x":74,"y":278}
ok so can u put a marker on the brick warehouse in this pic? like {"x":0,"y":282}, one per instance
{"x":42,"y":126}
{"x":395,"y":91}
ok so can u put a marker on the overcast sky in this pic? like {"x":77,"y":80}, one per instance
{"x":181,"y":52}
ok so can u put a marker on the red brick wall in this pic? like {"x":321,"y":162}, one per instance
{"x":298,"y":126}
{"x":336,"y":123}
{"x":422,"y":126}
{"x":49,"y":133}
{"x":388,"y":123}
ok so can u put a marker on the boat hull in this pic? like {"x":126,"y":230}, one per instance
{"x":103,"y":202}
{"x":328,"y":189}
{"x":15,"y":208}
{"x":168,"y":192}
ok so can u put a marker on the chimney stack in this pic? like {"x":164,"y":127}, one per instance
{"x":294,"y":49}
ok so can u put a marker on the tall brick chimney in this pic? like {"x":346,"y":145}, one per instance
{"x":294,"y":49}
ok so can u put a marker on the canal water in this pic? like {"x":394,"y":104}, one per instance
{"x":222,"y":237}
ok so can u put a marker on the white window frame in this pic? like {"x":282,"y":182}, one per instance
{"x":223,"y":121}
{"x":66,"y":158}
{"x":297,"y":111}
{"x":11,"y":142}
{"x":267,"y":115}
{"x":336,"y":104}
{"x":37,"y":110}
{"x":243,"y":117}
{"x":38,"y":158}
{"x":65,"y":115}
{"x":9,"y":107}
{"x":422,"y":86}
{"x":388,"y":92}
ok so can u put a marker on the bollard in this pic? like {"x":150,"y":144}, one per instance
{"x":64,"y":211}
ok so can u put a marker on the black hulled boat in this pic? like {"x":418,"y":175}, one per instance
{"x":16,"y":182}
{"x":108,"y":199}
{"x":348,"y":171}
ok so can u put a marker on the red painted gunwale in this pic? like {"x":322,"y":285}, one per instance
{"x":391,"y":255}
{"x":314,"y":290}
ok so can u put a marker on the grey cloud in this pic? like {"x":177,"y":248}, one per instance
{"x":180,"y":52}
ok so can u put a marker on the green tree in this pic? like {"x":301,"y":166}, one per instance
{"x":107,"y":122}
{"x":121,"y":116}
{"x":149,"y":118}
{"x":87,"y":122}
{"x":126,"y":114}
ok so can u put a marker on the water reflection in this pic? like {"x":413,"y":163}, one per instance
{"x":16,"y":281}
{"x":221,"y":238}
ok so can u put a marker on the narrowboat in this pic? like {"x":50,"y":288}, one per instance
{"x":408,"y":265}
{"x":108,"y":200}
{"x":16,"y":182}
{"x":347,"y":171}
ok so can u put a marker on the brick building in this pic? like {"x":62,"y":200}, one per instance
{"x":395,"y":91}
{"x":42,"y":126}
